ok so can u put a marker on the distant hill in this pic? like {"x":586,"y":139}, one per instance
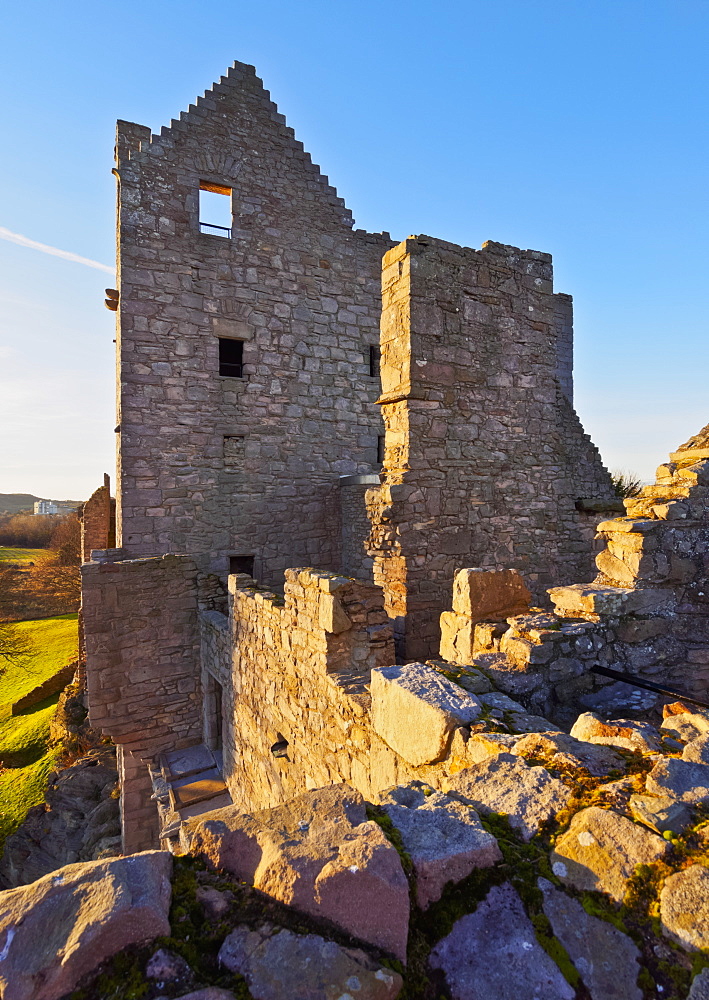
{"x":14,"y":503}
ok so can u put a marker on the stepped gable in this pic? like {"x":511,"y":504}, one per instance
{"x":258,"y":150}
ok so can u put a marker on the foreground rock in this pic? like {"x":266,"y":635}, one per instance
{"x":444,"y":838}
{"x":505,"y":784}
{"x":560,"y":750}
{"x":601,"y":849}
{"x":58,"y":929}
{"x":680,"y":779}
{"x":660,"y":813}
{"x":700,"y":986}
{"x":686,"y":725}
{"x":319,"y":854}
{"x":493,"y":954}
{"x":78,"y":821}
{"x":684,"y":907}
{"x":697,"y":751}
{"x":415,"y":710}
{"x":639,"y":737}
{"x":278,"y":964}
{"x":605,"y":958}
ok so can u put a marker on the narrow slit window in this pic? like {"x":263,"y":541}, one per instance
{"x":241,"y":564}
{"x":231,"y":357}
{"x":215,"y":209}
{"x":380,"y":450}
{"x":375,"y":356}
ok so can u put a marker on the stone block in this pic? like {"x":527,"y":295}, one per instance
{"x":415,"y":710}
{"x":482,"y":594}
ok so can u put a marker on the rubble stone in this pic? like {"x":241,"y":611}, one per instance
{"x":684,"y":907}
{"x":58,"y":929}
{"x":278,"y":964}
{"x":319,"y":854}
{"x":444,"y":838}
{"x":529,"y":796}
{"x":605,"y":958}
{"x":639,"y":737}
{"x":415,"y":710}
{"x":679,"y":779}
{"x":601,"y":849}
{"x":493,"y":953}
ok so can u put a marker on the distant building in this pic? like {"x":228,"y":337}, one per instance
{"x":45,"y":507}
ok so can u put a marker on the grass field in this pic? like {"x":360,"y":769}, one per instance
{"x":23,"y":555}
{"x":55,"y":643}
{"x":24,"y":739}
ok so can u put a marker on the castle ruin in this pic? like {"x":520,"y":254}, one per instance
{"x":353,"y":424}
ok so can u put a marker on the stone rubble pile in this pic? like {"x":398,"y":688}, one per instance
{"x":549,"y":865}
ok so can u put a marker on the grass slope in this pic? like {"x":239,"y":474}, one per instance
{"x":55,"y":642}
{"x":26,"y":758}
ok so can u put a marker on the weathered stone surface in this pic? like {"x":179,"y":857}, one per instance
{"x":601,"y":849}
{"x":605,"y":958}
{"x":444,"y":838}
{"x":58,"y":929}
{"x":684,"y":907}
{"x":700,"y":986}
{"x":209,"y":993}
{"x":697,"y":751}
{"x":660,"y":813}
{"x":493,"y":954}
{"x":167,"y":967}
{"x":415,"y":710}
{"x":679,"y":779}
{"x":319,"y":854}
{"x":489,"y":593}
{"x":278,"y":964}
{"x":686,"y":725}
{"x":558,"y":749}
{"x":214,"y":902}
{"x":640,"y":737}
{"x":529,"y":796}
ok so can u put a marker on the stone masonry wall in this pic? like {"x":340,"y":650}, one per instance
{"x":217,"y":465}
{"x":646,"y":614}
{"x":142,"y":644}
{"x":485,"y":459}
{"x":98,"y":527}
{"x":355,"y":526}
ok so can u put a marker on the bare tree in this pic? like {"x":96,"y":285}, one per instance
{"x":15,"y":647}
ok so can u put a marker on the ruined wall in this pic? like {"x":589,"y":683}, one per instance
{"x":142,"y":642}
{"x":646,"y":614}
{"x":98,"y":521}
{"x":485,"y":459}
{"x":220,"y":465}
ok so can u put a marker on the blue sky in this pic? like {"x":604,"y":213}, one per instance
{"x":577,"y":127}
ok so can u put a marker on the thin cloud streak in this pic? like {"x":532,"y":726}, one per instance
{"x":24,"y":241}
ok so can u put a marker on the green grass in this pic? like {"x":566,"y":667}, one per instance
{"x":8,"y":555}
{"x":24,"y":739}
{"x":55,"y":642}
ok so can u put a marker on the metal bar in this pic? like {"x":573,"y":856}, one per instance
{"x":211,"y":225}
{"x":637,"y":682}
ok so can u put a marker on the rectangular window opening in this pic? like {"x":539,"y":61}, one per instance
{"x":215,"y":209}
{"x":241,"y":564}
{"x":231,"y":357}
{"x":234,"y":447}
{"x":375,"y":356}
{"x":380,"y":449}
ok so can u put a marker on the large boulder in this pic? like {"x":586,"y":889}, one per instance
{"x":697,"y":751}
{"x":63,"y":926}
{"x":529,"y":796}
{"x":444,"y":838}
{"x":560,"y":750}
{"x":605,"y":958}
{"x":319,"y":854}
{"x":684,"y":907}
{"x":415,"y":710}
{"x":680,"y":779}
{"x":639,"y":737}
{"x":280,"y":965}
{"x":493,"y":954}
{"x":601,"y":850}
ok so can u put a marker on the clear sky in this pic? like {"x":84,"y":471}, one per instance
{"x":577,"y":127}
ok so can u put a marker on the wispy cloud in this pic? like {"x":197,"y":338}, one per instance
{"x":24,"y":241}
